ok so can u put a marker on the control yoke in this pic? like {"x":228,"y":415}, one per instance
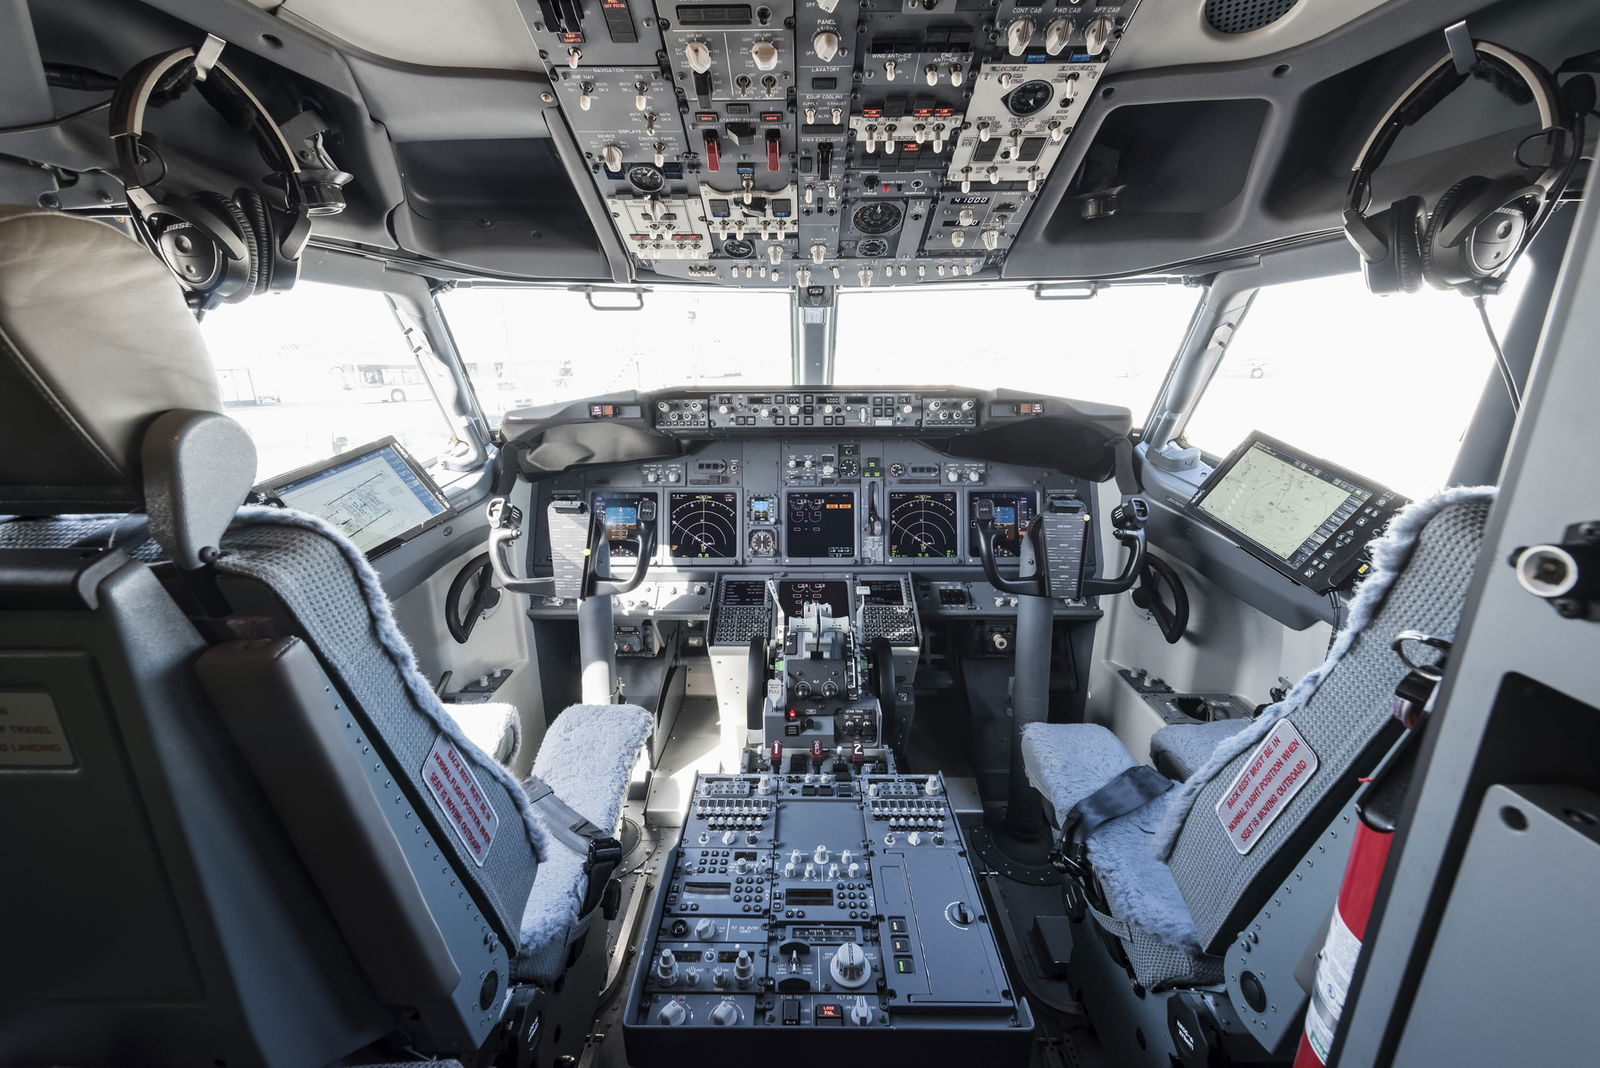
{"x":580,"y":550}
{"x":1057,"y":537}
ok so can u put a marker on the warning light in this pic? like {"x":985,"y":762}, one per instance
{"x":829,"y":1012}
{"x":793,"y":713}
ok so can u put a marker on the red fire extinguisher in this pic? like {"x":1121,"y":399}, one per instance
{"x":1378,"y":812}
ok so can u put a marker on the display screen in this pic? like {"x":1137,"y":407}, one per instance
{"x":704,"y":526}
{"x":375,"y":497}
{"x":834,"y":593}
{"x":744,"y":593}
{"x":1287,"y":504}
{"x":763,"y":509}
{"x":1013,"y":511}
{"x":821,"y":525}
{"x":922,"y":526}
{"x":823,"y":934}
{"x":620,"y":514}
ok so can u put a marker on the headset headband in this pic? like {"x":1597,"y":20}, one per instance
{"x":133,"y":97}
{"x":1439,"y":81}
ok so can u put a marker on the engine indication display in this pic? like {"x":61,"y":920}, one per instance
{"x":821,"y":526}
{"x":1013,"y":511}
{"x":922,"y":526}
{"x":704,"y":526}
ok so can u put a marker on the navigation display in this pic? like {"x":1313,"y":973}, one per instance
{"x":922,"y":526}
{"x":821,"y":525}
{"x":1013,"y":510}
{"x":376,"y":495}
{"x":704,"y":526}
{"x":620,"y":514}
{"x":835,"y":593}
{"x":1284,"y":502}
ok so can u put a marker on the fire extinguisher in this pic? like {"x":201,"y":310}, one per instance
{"x":1378,"y":811}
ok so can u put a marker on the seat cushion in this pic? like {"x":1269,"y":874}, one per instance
{"x":1067,"y":762}
{"x":587,"y":757}
{"x":1177,"y":751}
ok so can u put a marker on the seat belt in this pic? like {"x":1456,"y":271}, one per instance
{"x":601,"y":852}
{"x":1131,"y":789}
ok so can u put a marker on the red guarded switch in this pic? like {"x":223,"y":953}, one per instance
{"x":774,"y":146}
{"x":713,"y":150}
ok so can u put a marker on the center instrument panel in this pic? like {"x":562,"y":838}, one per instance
{"x":833,"y":897}
{"x":808,"y":485}
{"x":822,"y":142}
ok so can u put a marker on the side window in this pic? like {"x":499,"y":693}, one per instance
{"x":1382,"y":385}
{"x":318,"y":370}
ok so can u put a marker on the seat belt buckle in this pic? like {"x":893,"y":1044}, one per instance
{"x":604,"y":856}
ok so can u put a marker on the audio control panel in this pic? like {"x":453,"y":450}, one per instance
{"x":823,"y":142}
{"x":821,"y":894}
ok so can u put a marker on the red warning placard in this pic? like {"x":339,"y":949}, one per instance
{"x":1277,"y":770}
{"x":451,"y":781}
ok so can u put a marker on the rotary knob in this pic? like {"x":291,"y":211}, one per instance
{"x":704,"y":928}
{"x":1056,"y":36}
{"x":672,"y":1014}
{"x":850,"y":966}
{"x":698,"y":55}
{"x":666,"y":968}
{"x":826,"y":44}
{"x":611,"y":155}
{"x":1018,"y":34}
{"x":861,"y":1012}
{"x":744,"y":968}
{"x":820,"y":855}
{"x":1098,"y":34}
{"x":764,"y":54}
{"x":726,"y":1014}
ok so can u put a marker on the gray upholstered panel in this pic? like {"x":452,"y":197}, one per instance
{"x":335,"y":603}
{"x":78,"y":382}
{"x":1339,"y":712}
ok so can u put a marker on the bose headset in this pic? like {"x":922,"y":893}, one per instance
{"x":220,"y":248}
{"x":1474,"y":233}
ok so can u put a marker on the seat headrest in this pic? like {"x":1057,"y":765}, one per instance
{"x":95,"y":342}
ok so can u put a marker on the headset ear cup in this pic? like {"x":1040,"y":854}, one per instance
{"x":1405,"y":243}
{"x":197,"y":257}
{"x":263,"y":248}
{"x":1440,"y":264}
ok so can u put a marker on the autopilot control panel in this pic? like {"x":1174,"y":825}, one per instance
{"x":823,"y":142}
{"x":833,"y":895}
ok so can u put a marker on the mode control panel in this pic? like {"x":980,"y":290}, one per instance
{"x":781,"y":409}
{"x":833,"y":897}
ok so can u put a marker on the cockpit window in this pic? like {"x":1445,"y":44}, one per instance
{"x":1114,"y":347}
{"x":1382,"y":385}
{"x":532,"y":346}
{"x":318,"y":370}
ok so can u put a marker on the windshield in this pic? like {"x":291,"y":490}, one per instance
{"x":532,"y":346}
{"x":525,"y":347}
{"x":1113,"y":348}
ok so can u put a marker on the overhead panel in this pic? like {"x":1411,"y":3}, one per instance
{"x":822,"y":142}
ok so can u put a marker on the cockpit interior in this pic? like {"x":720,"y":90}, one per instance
{"x":604,"y":533}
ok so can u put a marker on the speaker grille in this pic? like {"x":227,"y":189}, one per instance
{"x":1242,"y":16}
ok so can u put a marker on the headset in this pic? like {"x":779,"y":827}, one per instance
{"x":221,"y":249}
{"x":1474,"y":233}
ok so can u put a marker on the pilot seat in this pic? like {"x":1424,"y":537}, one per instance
{"x":246,"y":831}
{"x":1179,"y":898}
